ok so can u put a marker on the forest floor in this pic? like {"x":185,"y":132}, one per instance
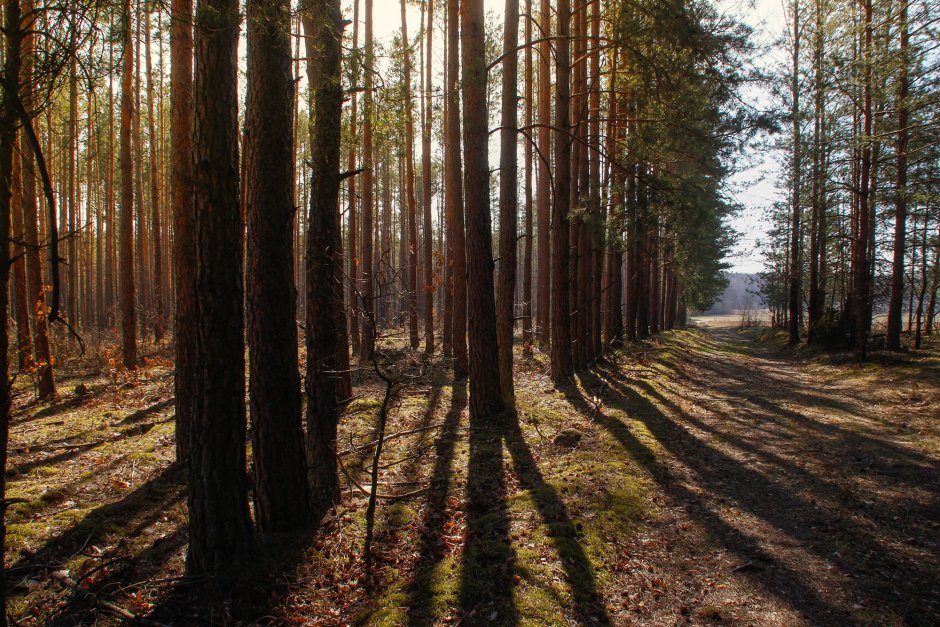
{"x":710,"y":475}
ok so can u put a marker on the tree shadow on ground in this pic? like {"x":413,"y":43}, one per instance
{"x":853,"y":567}
{"x":431,"y":548}
{"x":489,"y":562}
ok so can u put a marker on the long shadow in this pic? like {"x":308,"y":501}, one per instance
{"x":140,"y":414}
{"x":588,"y":605}
{"x":488,"y":558}
{"x":79,"y":449}
{"x":431,"y":546}
{"x":870,"y":569}
{"x":136,"y":510}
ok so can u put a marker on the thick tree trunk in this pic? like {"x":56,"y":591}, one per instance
{"x":280,"y":494}
{"x":220,"y":532}
{"x":324,"y":260}
{"x":508,"y":194}
{"x":184,"y":247}
{"x":24,"y":342}
{"x":486,"y":400}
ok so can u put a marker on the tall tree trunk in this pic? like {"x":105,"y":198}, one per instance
{"x":220,"y":531}
{"x":485,"y":390}
{"x":353,"y":219}
{"x":794,"y":297}
{"x":561,"y":330}
{"x":367,"y":343}
{"x":508,"y":193}
{"x":861,"y":262}
{"x":893,"y":333}
{"x":817,"y":294}
{"x":184,"y":247}
{"x":527,"y":339}
{"x":128,"y":309}
{"x":544,"y":191}
{"x":10,"y":81}
{"x":412,"y":293}
{"x":71,"y":146}
{"x":280,"y":494}
{"x":156,"y":230}
{"x":453,"y":192}
{"x":426,"y":190}
{"x":324,"y":261}
{"x":142,"y":239}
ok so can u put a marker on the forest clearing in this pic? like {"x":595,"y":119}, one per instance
{"x":717,"y":477}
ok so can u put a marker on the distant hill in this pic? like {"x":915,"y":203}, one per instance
{"x":741,"y":294}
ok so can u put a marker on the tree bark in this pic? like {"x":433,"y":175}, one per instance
{"x":219,"y":525}
{"x":560,"y":323}
{"x":324,"y":261}
{"x":367,"y":343}
{"x":156,"y":230}
{"x":280,"y":482}
{"x":128,"y":306}
{"x":428,"y":265}
{"x":486,"y":400}
{"x":453,"y":191}
{"x":544,"y":191}
{"x":508,"y":201}
{"x":893,"y":334}
{"x":184,"y":247}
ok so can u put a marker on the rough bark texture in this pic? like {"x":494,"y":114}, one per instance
{"x":428,"y":257}
{"x":544,"y":183}
{"x":219,"y":526}
{"x":128,"y":310}
{"x":794,"y":297}
{"x":561,"y":330}
{"x":10,"y":81}
{"x":485,"y":397}
{"x":184,"y":250}
{"x":280,"y":495}
{"x":20,"y":309}
{"x":324,"y":261}
{"x":508,"y":200}
{"x":454,"y":198}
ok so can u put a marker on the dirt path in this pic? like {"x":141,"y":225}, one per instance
{"x":793,"y":492}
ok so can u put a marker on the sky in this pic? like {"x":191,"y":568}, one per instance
{"x":753,"y":188}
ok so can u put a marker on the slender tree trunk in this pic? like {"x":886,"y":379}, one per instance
{"x":861,"y":264}
{"x":412,"y":294}
{"x":128,"y":310}
{"x":893,"y":333}
{"x":142,"y":238}
{"x":486,"y":400}
{"x":367,"y":343}
{"x":220,"y":531}
{"x":353,"y":249}
{"x":184,"y":247}
{"x":508,"y":194}
{"x":426,"y":191}
{"x":24,"y":342}
{"x":454,"y":197}
{"x":527,"y":338}
{"x":794,"y":297}
{"x":561,"y":331}
{"x":544,"y":191}
{"x":156,"y":230}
